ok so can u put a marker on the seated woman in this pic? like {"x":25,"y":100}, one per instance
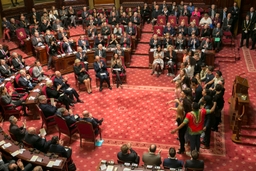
{"x":82,"y":75}
{"x":38,"y":71}
{"x":196,"y":12}
{"x":52,"y":92}
{"x":158,"y":63}
{"x":112,"y":42}
{"x":117,"y":68}
{"x":170,"y":60}
{"x":118,"y":30}
{"x":6,"y":98}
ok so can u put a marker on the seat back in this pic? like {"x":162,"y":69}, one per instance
{"x":159,"y":30}
{"x":183,"y":19}
{"x":21,"y":34}
{"x":62,"y":125}
{"x":44,"y":90}
{"x":40,"y":112}
{"x":30,"y":71}
{"x":9,"y":86}
{"x":27,"y":144}
{"x":85,"y":130}
{"x":194,"y":19}
{"x":173,"y":20}
{"x":53,"y":78}
{"x":12,"y":136}
{"x":161,"y":20}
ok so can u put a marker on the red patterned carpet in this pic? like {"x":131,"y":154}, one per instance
{"x":138,"y":114}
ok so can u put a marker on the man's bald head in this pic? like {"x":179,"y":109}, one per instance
{"x":32,"y":130}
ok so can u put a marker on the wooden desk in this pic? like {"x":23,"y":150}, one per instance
{"x":26,"y":156}
{"x":41,"y":55}
{"x":65,"y":64}
{"x":121,"y":167}
{"x":28,"y":47}
{"x":209,"y":57}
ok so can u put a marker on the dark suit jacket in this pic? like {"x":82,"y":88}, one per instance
{"x":103,"y":53}
{"x":151,"y":159}
{"x":111,"y":20}
{"x":23,"y":82}
{"x":215,"y":31}
{"x":174,"y":56}
{"x":44,"y":27}
{"x":60,"y":36}
{"x":84,"y":14}
{"x":105,"y":30}
{"x":80,"y":43}
{"x":33,"y":30}
{"x":47,"y":109}
{"x":127,"y":42}
{"x":177,"y":13}
{"x":225,"y":24}
{"x":35,"y":42}
{"x":65,"y":46}
{"x":48,"y":37}
{"x":183,"y":30}
{"x":190,"y":45}
{"x":91,"y":22}
{"x":166,"y":42}
{"x":97,"y":42}
{"x":171,"y":31}
{"x":37,"y":142}
{"x":210,"y":12}
{"x":194,"y":164}
{"x":205,"y":33}
{"x":55,"y":26}
{"x":90,"y":33}
{"x":52,"y":92}
{"x":2,"y":56}
{"x":70,"y":119}
{"x":120,"y":53}
{"x":124,"y":20}
{"x":172,"y":163}
{"x":131,"y":157}
{"x":82,"y":57}
{"x":18,"y":133}
{"x":99,"y":70}
{"x":16,"y":64}
{"x":58,"y":149}
{"x":253,"y":18}
{"x":59,"y":81}
{"x":209,"y":45}
{"x":153,"y":44}
{"x":133,"y":20}
{"x":190,"y":30}
{"x":5,"y":71}
{"x":130,"y":31}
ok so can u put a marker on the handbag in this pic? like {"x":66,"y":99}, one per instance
{"x":72,"y":167}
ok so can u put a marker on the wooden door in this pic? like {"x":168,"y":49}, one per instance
{"x":103,"y":2}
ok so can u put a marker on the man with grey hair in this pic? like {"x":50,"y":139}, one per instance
{"x":17,"y":61}
{"x":15,"y":130}
{"x":135,"y":19}
{"x":25,"y":80}
{"x":47,"y":109}
{"x":100,"y":52}
{"x":5,"y":69}
{"x":69,"y":117}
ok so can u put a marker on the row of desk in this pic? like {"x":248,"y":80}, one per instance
{"x":8,"y":148}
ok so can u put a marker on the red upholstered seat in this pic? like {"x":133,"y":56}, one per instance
{"x":86,"y":131}
{"x":63,"y":127}
{"x":161,"y":20}
{"x":9,"y":86}
{"x":183,"y":19}
{"x":194,"y":19}
{"x":173,"y":20}
{"x":21,"y":35}
{"x":50,"y":121}
{"x":159,"y":30}
{"x":10,"y":109}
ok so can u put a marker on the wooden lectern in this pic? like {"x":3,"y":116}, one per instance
{"x":238,"y":109}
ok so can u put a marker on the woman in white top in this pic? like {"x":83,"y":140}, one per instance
{"x":205,"y":20}
{"x":158,"y":63}
{"x":118,"y":30}
{"x":218,"y":77}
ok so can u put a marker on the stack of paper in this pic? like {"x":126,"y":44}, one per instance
{"x":50,"y":164}
{"x":31,"y":98}
{"x":57,"y":162}
{"x":33,"y":158}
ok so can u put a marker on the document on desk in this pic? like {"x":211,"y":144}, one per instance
{"x":7,"y":145}
{"x":15,"y":153}
{"x":36,"y":90}
{"x":110,"y":168}
{"x":2,"y":142}
{"x":31,"y":98}
{"x":50,"y":164}
{"x":127,"y":169}
{"x":57,"y":162}
{"x":33,"y":158}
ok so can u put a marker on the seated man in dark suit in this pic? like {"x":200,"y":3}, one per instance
{"x":130,"y":30}
{"x":194,"y":163}
{"x":94,"y":121}
{"x":5,"y":69}
{"x":35,"y":29}
{"x":135,"y":19}
{"x":118,"y":50}
{"x":155,"y":42}
{"x":100,"y":52}
{"x":68,"y":45}
{"x":83,"y":43}
{"x":105,"y":30}
{"x":99,"y":40}
{"x":36,"y":141}
{"x":14,"y":166}
{"x":17,"y":132}
{"x":17,"y":61}
{"x":4,"y":53}
{"x":150,"y":158}
{"x":58,"y":148}
{"x":206,"y":44}
{"x":25,"y":80}
{"x":169,"y":29}
{"x":37,"y":40}
{"x":127,"y":154}
{"x":64,"y":87}
{"x":91,"y":31}
{"x":69,"y":117}
{"x":193,"y":42}
{"x":113,"y":19}
{"x":101,"y":72}
{"x":125,"y":41}
{"x":172,"y":161}
{"x":47,"y":109}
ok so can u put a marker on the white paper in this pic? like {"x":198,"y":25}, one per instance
{"x":102,"y":73}
{"x":103,"y":167}
{"x":127,"y":169}
{"x":33,"y":158}
{"x":15,"y":153}
{"x":58,"y":56}
{"x":7,"y":79}
{"x":57,"y":162}
{"x":52,"y":101}
{"x":36,"y":90}
{"x":117,"y":69}
{"x":62,"y":94}
{"x":2,"y":142}
{"x":50,"y":164}
{"x":27,"y":67}
{"x":110,"y":168}
{"x":39,"y":159}
{"x":85,"y":62}
{"x":31,"y":98}
{"x":42,"y":132}
{"x":7,"y":145}
{"x":76,"y":116}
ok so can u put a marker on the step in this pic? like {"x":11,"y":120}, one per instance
{"x":20,"y":52}
{"x":142,"y":49}
{"x":139,"y":61}
{"x":145,"y":38}
{"x":147,"y":28}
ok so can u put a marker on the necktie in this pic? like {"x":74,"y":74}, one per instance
{"x":69,"y":48}
{"x":100,"y":53}
{"x":3,"y":52}
{"x":4,"y":67}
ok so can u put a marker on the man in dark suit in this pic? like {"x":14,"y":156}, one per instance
{"x":83,"y":43}
{"x":5,"y":69}
{"x":91,"y":31}
{"x":246,"y":31}
{"x":68,"y":45}
{"x":155,"y":13}
{"x":45,"y":25}
{"x":252,"y":15}
{"x":56,"y":25}
{"x":193,"y":42}
{"x":84,"y":15}
{"x":145,"y":13}
{"x":58,"y":148}
{"x":155,"y":42}
{"x":13,"y":26}
{"x":91,"y":21}
{"x":14,"y":166}
{"x":206,"y":44}
{"x":175,"y":12}
{"x":193,"y":29}
{"x":105,"y":30}
{"x":36,"y":14}
{"x":4,"y":53}
{"x":113,"y":19}
{"x":17,"y":132}
{"x":198,"y":64}
{"x":212,"y":11}
{"x":25,"y":80}
{"x":94,"y":121}
{"x":125,"y":40}
{"x":194,"y":163}
{"x":169,"y":29}
{"x":47,"y":109}
{"x":36,"y":141}
{"x":172,"y":161}
{"x":135,"y":19}
{"x":100,"y":52}
{"x":69,"y":117}
{"x":217,"y":33}
{"x":127,"y":154}
{"x":24,"y":24}
{"x":223,"y":14}
{"x":124,"y":20}
{"x":48,"y":37}
{"x":35,"y":29}
{"x":235,"y":15}
{"x":150,"y":158}
{"x":99,"y":40}
{"x":130,"y":30}
{"x":227,"y":23}
{"x":185,"y":11}
{"x":17,"y":61}
{"x":183,"y":29}
{"x":64,"y":87}
{"x":101,"y":71}
{"x":37,"y":40}
{"x":118,"y":50}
